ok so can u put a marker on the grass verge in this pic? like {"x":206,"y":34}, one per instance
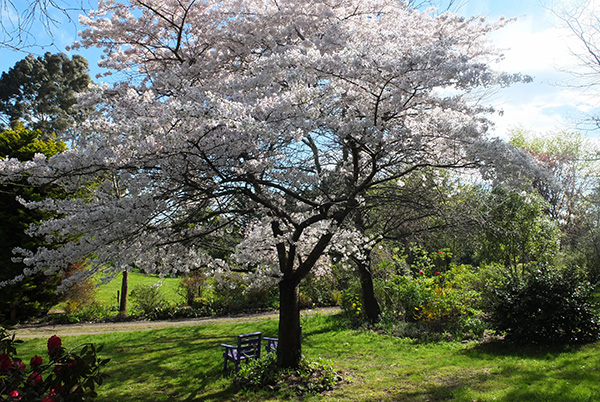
{"x":185,"y":364}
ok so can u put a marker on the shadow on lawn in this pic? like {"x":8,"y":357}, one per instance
{"x":172,"y":365}
{"x":504,"y":372}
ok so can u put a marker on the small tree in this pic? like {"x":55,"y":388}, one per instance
{"x":517,"y":231}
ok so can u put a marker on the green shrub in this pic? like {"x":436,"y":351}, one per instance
{"x":147,"y":298}
{"x":80,"y":295}
{"x":191,"y":288}
{"x":318,"y":291}
{"x":351,"y":305}
{"x":544,"y":307}
{"x":235,"y":292}
{"x":309,"y":378}
{"x":94,"y":312}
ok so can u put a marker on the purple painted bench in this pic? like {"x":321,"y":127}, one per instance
{"x":248,"y":347}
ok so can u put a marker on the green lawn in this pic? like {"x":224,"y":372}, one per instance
{"x":107,"y":293}
{"x":185,"y":364}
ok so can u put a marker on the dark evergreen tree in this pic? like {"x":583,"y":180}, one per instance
{"x":41,"y":92}
{"x":36,"y":294}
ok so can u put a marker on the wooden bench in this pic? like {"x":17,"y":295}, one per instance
{"x":248,"y":347}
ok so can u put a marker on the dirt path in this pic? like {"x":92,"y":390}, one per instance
{"x":44,"y":331}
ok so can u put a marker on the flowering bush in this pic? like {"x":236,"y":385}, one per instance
{"x":64,"y":376}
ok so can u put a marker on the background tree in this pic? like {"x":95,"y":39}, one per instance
{"x":36,"y":294}
{"x":291,"y":112}
{"x":571,"y":196}
{"x":572,"y":164}
{"x":517,"y":231}
{"x":41,"y":92}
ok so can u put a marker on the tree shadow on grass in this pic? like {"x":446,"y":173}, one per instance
{"x":500,"y":347}
{"x":506,"y":373}
{"x":173,"y":365}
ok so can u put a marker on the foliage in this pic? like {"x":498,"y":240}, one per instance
{"x":41,"y":92}
{"x":423,"y":294}
{"x":235,"y":292}
{"x":545,"y":306}
{"x":147,"y":298}
{"x":191,"y":288}
{"x":572,"y":164}
{"x":80,"y":295}
{"x":94,"y":312}
{"x":309,"y":378}
{"x":517,"y":230}
{"x":69,"y":376}
{"x":323,"y":287}
{"x":35,"y":294}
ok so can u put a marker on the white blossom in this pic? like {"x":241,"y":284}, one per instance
{"x":286,"y":112}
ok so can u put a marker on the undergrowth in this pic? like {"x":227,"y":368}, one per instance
{"x":312,"y":377}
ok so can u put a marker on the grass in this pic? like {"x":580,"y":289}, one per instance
{"x":185,"y":364}
{"x":107,"y":293}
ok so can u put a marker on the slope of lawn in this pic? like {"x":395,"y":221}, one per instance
{"x":185,"y":364}
{"x":107,"y":293}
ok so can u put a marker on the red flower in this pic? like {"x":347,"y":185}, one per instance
{"x":54,"y":343}
{"x":35,"y":378}
{"x":18,"y":365}
{"x":15,"y":395}
{"x":47,"y":399}
{"x":440,"y":252}
{"x":421,"y":272}
{"x":35,"y":362}
{"x":437,"y":272}
{"x":5,"y":362}
{"x":58,"y":388}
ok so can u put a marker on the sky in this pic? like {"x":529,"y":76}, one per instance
{"x":536,"y":43}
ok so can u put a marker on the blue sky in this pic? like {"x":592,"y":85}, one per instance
{"x":535,"y":44}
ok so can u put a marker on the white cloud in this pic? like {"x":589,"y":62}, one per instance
{"x":540,"y":47}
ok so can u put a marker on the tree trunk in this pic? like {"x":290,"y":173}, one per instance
{"x":370,"y":303}
{"x":123,"y":301}
{"x":289,"y":349}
